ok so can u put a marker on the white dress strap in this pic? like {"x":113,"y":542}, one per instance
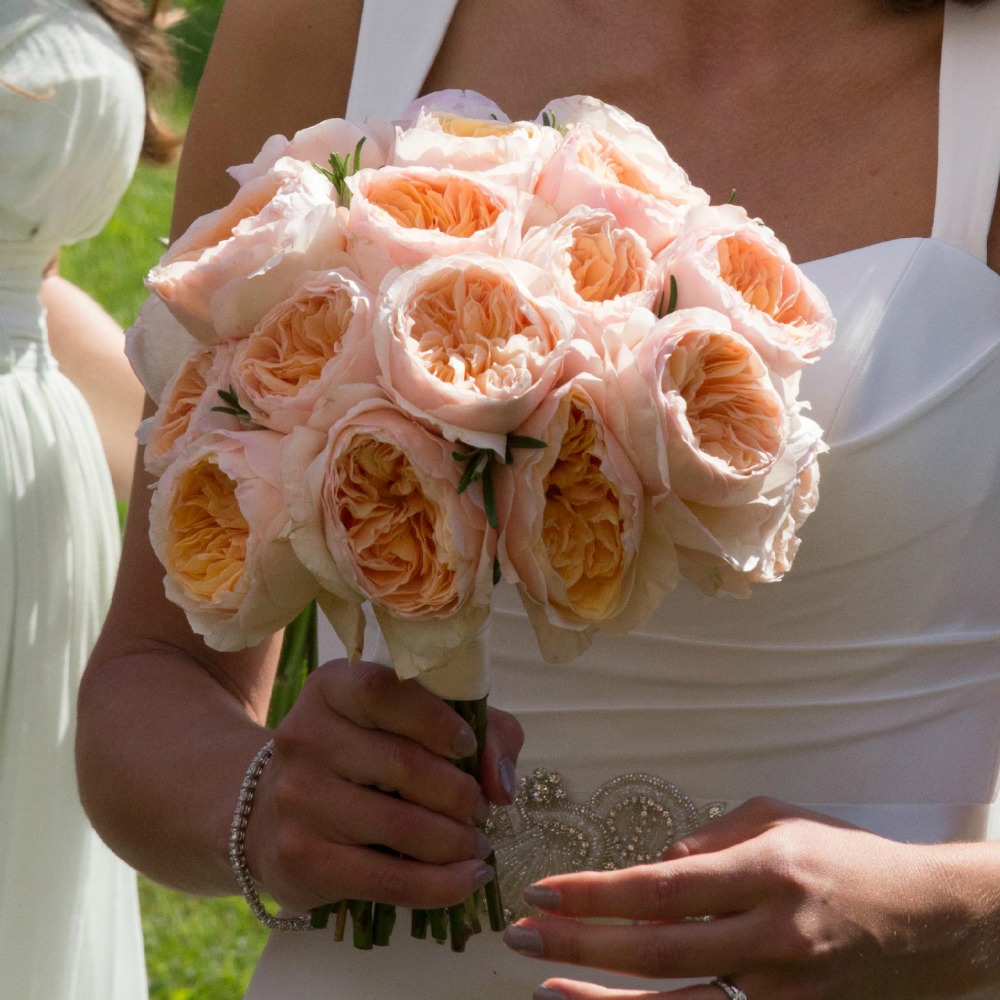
{"x":397,"y":43}
{"x":968,"y":126}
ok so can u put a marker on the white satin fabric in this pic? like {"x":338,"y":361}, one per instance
{"x":867,"y":683}
{"x":71,"y":124}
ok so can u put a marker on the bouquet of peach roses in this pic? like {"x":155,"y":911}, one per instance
{"x":413,"y":359}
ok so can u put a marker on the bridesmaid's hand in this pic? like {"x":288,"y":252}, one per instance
{"x":364,"y":759}
{"x":802,"y":908}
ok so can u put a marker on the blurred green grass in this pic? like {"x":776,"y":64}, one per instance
{"x":196,"y":949}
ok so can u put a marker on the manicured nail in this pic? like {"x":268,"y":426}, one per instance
{"x":525,"y":940}
{"x":508,"y":778}
{"x":483,"y":807}
{"x":547,"y":993}
{"x":543,"y":897}
{"x":484,"y":847}
{"x":465,"y":743}
{"x":483,"y":876}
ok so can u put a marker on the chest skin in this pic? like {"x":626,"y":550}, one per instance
{"x":825,"y":129}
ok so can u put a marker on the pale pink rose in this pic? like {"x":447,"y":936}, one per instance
{"x":318,"y":339}
{"x":230,"y":267}
{"x":377,"y":516}
{"x":471,"y":345}
{"x":727,"y":261}
{"x":575,"y":537}
{"x":315,"y":144}
{"x":156,"y":345}
{"x":402,"y":216}
{"x":510,"y":153}
{"x":603,"y":271}
{"x":608,"y":160}
{"x":219,"y":527}
{"x":729,"y":547}
{"x":191,"y":407}
{"x":698,"y":410}
{"x":462,"y":103}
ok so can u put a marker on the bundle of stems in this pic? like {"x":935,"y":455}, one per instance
{"x":373,"y":923}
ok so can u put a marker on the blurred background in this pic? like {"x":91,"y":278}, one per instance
{"x":196,"y":949}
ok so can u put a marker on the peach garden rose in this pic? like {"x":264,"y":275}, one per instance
{"x":376,"y":515}
{"x":727,"y":261}
{"x":218,"y":525}
{"x":305,"y":348}
{"x":471,"y":344}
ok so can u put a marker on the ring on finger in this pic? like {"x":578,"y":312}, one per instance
{"x":730,"y":989}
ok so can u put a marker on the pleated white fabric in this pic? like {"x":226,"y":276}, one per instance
{"x":71,"y":124}
{"x":867,"y":683}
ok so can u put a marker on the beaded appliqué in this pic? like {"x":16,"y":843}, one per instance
{"x":629,"y":820}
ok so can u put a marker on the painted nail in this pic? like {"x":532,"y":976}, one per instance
{"x":547,"y":993}
{"x":483,"y":875}
{"x":484,"y":847}
{"x":482,"y":813}
{"x":525,"y":940}
{"x":508,"y":778}
{"x":543,"y":897}
{"x":465,"y":743}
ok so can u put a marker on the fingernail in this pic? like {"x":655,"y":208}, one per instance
{"x":465,"y":743}
{"x":525,"y":940}
{"x":542,"y":896}
{"x":484,"y":847}
{"x":547,"y":993}
{"x":482,"y":813}
{"x":483,"y":876}
{"x":508,"y":778}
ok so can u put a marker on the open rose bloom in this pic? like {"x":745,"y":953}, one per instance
{"x":414,"y":358}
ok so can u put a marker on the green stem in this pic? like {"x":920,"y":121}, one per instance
{"x":382,"y":923}
{"x":362,"y":913}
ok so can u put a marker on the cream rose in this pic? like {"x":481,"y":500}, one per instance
{"x":461,"y":103}
{"x":230,"y":267}
{"x":729,"y":262}
{"x":510,"y":153}
{"x":314,"y":145}
{"x":377,"y":515}
{"x":698,"y":411}
{"x":470,"y":344}
{"x":218,"y":525}
{"x":402,"y":216}
{"x":575,"y":536}
{"x":156,"y":345}
{"x":728,"y":547}
{"x":603,"y":271}
{"x":318,"y":339}
{"x":608,"y":160}
{"x":191,"y":407}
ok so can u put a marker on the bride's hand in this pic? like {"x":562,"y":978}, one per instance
{"x":363,"y":759}
{"x":802,"y":907}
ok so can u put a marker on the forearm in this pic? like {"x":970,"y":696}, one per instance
{"x":160,"y":764}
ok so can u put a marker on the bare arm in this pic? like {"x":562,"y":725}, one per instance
{"x":167,"y":727}
{"x":89,"y":346}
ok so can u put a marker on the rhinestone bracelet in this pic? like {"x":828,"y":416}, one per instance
{"x":237,"y":854}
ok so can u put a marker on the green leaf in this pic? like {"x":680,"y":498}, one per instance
{"x":732,"y":197}
{"x":520,"y":441}
{"x":489,"y":497}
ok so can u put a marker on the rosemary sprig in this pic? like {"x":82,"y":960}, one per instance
{"x":671,"y":302}
{"x":342,"y":165}
{"x":549,"y":121}
{"x":479,"y":469}
{"x":233,"y":405}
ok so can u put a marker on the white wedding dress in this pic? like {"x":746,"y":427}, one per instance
{"x":866,"y":684}
{"x":71,"y":123}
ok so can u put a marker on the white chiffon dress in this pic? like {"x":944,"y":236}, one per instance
{"x":71,"y":124}
{"x":865,"y":685}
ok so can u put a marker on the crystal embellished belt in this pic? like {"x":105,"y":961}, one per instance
{"x":629,"y":820}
